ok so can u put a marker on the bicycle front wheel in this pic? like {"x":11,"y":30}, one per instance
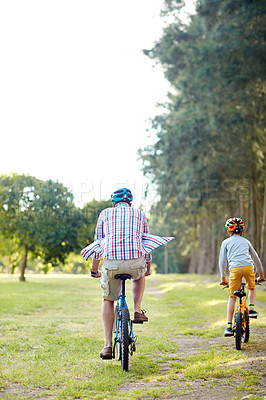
{"x":125,"y":338}
{"x":238,"y":330}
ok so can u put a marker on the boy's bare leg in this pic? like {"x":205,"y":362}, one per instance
{"x":231,"y":308}
{"x":108,"y":321}
{"x":252,"y":296}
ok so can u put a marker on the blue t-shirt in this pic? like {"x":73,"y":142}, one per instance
{"x":236,"y":251}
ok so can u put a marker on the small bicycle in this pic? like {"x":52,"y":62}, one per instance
{"x":125,"y":341}
{"x":241,"y":327}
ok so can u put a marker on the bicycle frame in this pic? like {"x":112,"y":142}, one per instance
{"x":241,"y":321}
{"x":122,"y":303}
{"x":242,"y":303}
{"x":241,"y":329}
{"x":124,"y":343}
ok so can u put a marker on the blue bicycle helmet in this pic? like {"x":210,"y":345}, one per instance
{"x":122,"y":195}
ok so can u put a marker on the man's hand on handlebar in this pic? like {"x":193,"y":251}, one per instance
{"x":148,"y":272}
{"x":96,"y":274}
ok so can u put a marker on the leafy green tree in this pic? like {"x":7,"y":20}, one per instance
{"x":90,"y":213}
{"x":40,"y":216}
{"x":9,"y":254}
{"x":209,"y":159}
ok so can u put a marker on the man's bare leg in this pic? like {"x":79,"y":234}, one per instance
{"x":137,"y":291}
{"x":108,"y":321}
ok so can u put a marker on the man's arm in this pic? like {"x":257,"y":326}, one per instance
{"x":145,"y":224}
{"x":148,"y":257}
{"x":95,"y":273}
{"x":99,"y":234}
{"x":148,"y":272}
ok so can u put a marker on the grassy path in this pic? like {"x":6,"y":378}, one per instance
{"x":51,"y":335}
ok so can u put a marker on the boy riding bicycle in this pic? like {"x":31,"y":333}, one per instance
{"x":239,"y":255}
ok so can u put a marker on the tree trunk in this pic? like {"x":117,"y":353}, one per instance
{"x":263,"y":231}
{"x":165,"y":260}
{"x":254,"y":216}
{"x":192,"y":269}
{"x":213,"y":260}
{"x":24,"y":264}
{"x":203,"y":248}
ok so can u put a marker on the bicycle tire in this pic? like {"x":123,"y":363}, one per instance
{"x":116,"y":318}
{"x":238,"y":330}
{"x":125,"y":338}
{"x":246,"y":325}
{"x":117,"y":345}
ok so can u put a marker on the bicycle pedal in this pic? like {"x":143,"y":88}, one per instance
{"x":255,"y":316}
{"x":136,"y":322}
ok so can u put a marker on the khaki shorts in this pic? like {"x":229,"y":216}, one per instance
{"x":235,"y":278}
{"x":111,"y":287}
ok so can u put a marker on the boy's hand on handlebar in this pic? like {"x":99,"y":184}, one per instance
{"x":224,"y":282}
{"x":260,"y":278}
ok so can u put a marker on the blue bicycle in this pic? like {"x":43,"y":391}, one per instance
{"x":125,"y":341}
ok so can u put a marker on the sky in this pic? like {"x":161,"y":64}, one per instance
{"x":77,"y":93}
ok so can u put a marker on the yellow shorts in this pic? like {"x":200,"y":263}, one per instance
{"x":111,"y":287}
{"x":235,"y":278}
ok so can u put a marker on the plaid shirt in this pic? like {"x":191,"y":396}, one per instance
{"x":122,"y":233}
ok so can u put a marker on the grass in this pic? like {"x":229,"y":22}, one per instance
{"x":51,"y":336}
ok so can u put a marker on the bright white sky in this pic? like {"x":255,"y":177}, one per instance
{"x":76,"y":91}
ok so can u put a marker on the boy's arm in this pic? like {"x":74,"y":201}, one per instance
{"x":223,"y":262}
{"x":257,"y":262}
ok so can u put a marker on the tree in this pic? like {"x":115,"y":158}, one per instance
{"x":9,"y":254}
{"x":209,"y":159}
{"x":90,"y":213}
{"x":40,"y":216}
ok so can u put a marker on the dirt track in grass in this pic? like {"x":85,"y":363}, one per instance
{"x":214,"y":389}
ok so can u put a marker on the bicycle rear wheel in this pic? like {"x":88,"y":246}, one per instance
{"x":118,"y":344}
{"x":238,"y":330}
{"x":246,"y":325}
{"x":125,"y":338}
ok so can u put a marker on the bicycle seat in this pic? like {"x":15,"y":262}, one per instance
{"x":123,"y":277}
{"x":239,"y":293}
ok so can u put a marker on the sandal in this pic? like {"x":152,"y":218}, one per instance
{"x":106,"y":353}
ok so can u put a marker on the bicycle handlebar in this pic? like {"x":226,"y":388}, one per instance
{"x":259,"y":282}
{"x":256,"y":281}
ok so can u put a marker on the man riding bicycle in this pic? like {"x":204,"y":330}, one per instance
{"x":122,"y":238}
